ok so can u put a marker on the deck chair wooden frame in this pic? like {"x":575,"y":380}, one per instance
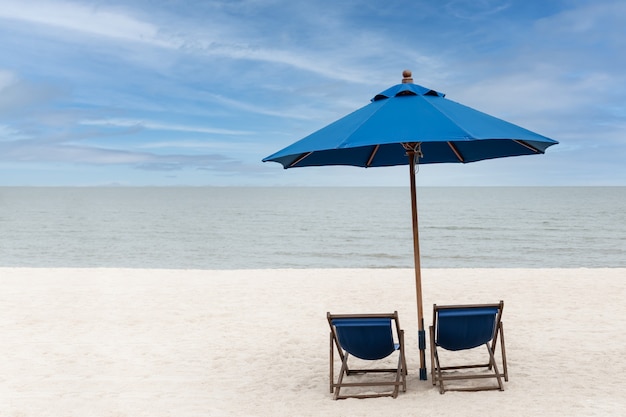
{"x":441,"y":374}
{"x":345,"y":370}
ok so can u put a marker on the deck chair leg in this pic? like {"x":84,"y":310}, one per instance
{"x":493,"y":344}
{"x":397,"y":386}
{"x":405,"y":371}
{"x":399,"y":378}
{"x":503,"y":350}
{"x":500,"y":332}
{"x":492,"y":360}
{"x":332,"y":361}
{"x":439,"y":373}
{"x":344,"y":371}
{"x":432,"y":355}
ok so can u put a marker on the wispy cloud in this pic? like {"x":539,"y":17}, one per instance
{"x":152,"y":85}
{"x":147,"y":124}
{"x":17,"y":94}
{"x":475,"y":9}
{"x":86,"y":19}
{"x":34,"y":151}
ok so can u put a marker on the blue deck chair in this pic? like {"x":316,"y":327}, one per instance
{"x":368,"y":337}
{"x":463,"y":327}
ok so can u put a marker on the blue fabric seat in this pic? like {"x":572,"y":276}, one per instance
{"x":464,"y":327}
{"x":368,"y":337}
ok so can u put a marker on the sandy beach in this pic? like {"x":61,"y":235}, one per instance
{"x":132,"y":342}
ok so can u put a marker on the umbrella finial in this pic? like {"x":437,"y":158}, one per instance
{"x":407,"y":77}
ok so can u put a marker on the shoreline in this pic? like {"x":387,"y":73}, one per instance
{"x":150,"y":342}
{"x":130,"y":268}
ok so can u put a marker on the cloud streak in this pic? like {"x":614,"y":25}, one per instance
{"x":147,"y":124}
{"x":218,"y":85}
{"x":83,"y":18}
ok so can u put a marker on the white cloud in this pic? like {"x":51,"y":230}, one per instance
{"x":147,"y":124}
{"x":193,"y":77}
{"x":92,"y":20}
{"x":475,"y":9}
{"x":7,"y":78}
{"x":17,"y":94}
{"x":7,"y":133}
{"x":215,"y":39}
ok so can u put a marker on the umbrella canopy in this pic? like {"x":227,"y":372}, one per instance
{"x":376,"y":135}
{"x":411,"y":124}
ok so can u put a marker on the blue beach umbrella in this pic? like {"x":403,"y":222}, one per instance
{"x":408,"y":124}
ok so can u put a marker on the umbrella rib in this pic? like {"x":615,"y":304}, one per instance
{"x":527,"y":146}
{"x":456,"y":152}
{"x":372,"y":155}
{"x":300,"y":158}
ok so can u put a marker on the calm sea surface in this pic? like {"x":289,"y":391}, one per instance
{"x":241,"y":228}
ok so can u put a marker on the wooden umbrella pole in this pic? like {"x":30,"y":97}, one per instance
{"x":418,"y":269}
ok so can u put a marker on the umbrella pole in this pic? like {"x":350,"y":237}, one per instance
{"x":418,"y":270}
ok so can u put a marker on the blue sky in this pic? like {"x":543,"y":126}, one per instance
{"x":186,"y":92}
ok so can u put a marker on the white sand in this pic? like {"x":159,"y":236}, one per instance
{"x":116,"y":342}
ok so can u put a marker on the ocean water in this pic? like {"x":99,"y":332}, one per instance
{"x":361,"y":227}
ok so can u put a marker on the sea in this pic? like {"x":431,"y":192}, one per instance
{"x":311,"y":227}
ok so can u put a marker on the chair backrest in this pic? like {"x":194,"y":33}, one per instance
{"x":465,"y":327}
{"x":366,"y":338}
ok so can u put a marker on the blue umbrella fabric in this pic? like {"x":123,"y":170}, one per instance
{"x":375,"y":135}
{"x":408,"y":124}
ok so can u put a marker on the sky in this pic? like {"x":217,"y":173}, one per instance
{"x":198,"y":92}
